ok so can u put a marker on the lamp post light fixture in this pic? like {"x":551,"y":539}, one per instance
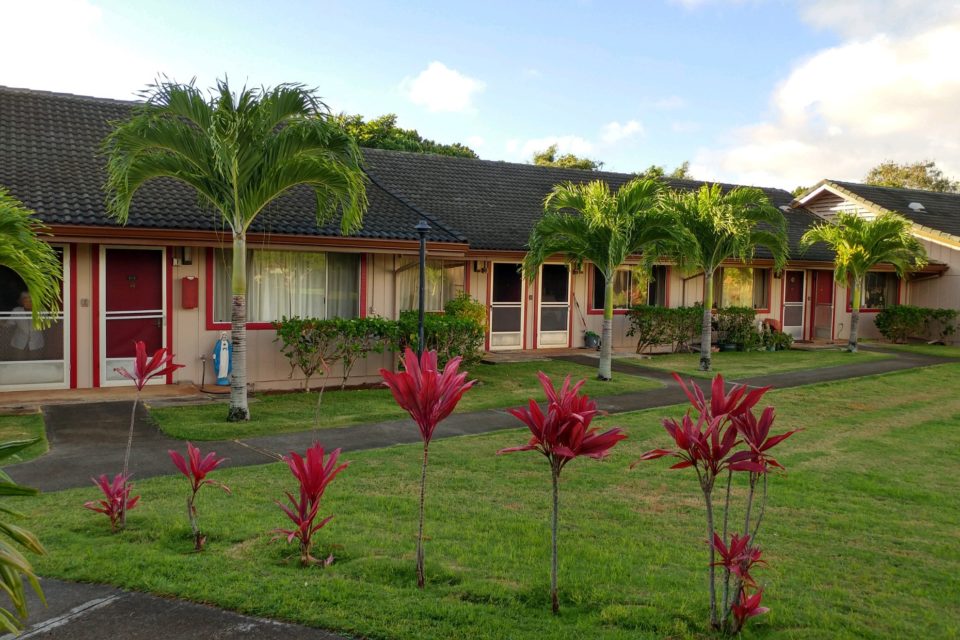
{"x":422,"y":229}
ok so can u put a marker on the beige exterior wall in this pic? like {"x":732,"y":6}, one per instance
{"x":268,"y":369}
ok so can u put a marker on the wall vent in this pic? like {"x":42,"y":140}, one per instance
{"x":916,"y":206}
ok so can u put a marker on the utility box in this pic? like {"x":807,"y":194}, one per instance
{"x":189,"y":292}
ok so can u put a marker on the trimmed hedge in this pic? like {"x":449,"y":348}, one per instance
{"x":901,"y":321}
{"x":676,"y":326}
{"x":314,"y":346}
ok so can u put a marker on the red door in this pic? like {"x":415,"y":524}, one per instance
{"x":793,"y":303}
{"x":133,"y":304}
{"x":823,"y":304}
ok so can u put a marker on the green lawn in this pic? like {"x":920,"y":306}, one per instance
{"x":861,"y":535}
{"x":501,"y":385}
{"x":924,"y":349}
{"x":24,"y":427}
{"x":748,"y":364}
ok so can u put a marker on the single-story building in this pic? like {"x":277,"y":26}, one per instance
{"x":164,"y":277}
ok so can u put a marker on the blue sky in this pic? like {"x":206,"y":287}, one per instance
{"x":748,"y":91}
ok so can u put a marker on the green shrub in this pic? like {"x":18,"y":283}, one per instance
{"x":737,"y":325}
{"x":901,"y":321}
{"x":659,"y":325}
{"x":309,"y":344}
{"x":464,"y":306}
{"x":313,"y":345}
{"x":648,"y":324}
{"x":449,"y":335}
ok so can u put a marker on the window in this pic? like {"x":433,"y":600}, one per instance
{"x":632,"y":286}
{"x":879,"y":290}
{"x":290,"y":283}
{"x":444,"y":281}
{"x":28,"y":355}
{"x":742,"y":287}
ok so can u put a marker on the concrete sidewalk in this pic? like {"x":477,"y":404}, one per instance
{"x":77,"y":611}
{"x":87,"y":440}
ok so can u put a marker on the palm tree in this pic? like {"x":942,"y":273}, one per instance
{"x":239,"y":152}
{"x":26,"y":254}
{"x":861,"y":244}
{"x":723,"y":226}
{"x":588,"y":222}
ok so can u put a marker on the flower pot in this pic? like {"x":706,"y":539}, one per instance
{"x":591,"y":341}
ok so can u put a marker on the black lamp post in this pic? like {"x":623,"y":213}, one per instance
{"x":422,"y":230}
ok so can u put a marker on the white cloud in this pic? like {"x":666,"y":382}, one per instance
{"x":614,"y":131}
{"x":849,"y":107}
{"x":866,"y":18}
{"x":62,"y":45}
{"x":440,"y":88}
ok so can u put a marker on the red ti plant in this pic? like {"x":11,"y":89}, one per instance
{"x":313,"y":474}
{"x":725,"y":438}
{"x":428,"y":395}
{"x":562,"y":434}
{"x":143,"y":371}
{"x":117,"y":500}
{"x":196,"y":472}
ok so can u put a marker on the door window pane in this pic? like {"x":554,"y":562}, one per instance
{"x":507,"y":283}
{"x":554,"y":318}
{"x":505,"y":319}
{"x":555,"y":282}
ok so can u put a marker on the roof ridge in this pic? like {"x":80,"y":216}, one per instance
{"x":907,"y":189}
{"x":68,"y":96}
{"x":587,"y":173}
{"x":413,"y":207}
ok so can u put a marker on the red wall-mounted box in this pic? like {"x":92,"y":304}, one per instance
{"x":189,"y":292}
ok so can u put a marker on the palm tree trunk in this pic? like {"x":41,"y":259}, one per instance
{"x":854,"y":315}
{"x":239,"y":410}
{"x":706,"y":329}
{"x":606,"y":334}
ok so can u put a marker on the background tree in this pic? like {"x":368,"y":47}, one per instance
{"x":861,"y":244}
{"x":383,"y":133}
{"x":913,"y":175}
{"x":549,"y":158}
{"x":239,"y":152}
{"x":23,"y":251}
{"x":588,"y":222}
{"x":682,"y":172}
{"x":723,"y":226}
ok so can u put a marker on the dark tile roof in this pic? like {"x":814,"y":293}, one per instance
{"x":941,"y":211}
{"x":49,"y":161}
{"x":495,"y":204}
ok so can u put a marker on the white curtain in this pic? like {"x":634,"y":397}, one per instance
{"x":444,"y":280}
{"x":290,"y":283}
{"x":343,"y":282}
{"x":286,"y":283}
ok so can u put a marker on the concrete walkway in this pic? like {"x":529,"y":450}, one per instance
{"x":89,"y":439}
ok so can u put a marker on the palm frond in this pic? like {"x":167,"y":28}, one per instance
{"x":860,"y":244}
{"x":23,"y":250}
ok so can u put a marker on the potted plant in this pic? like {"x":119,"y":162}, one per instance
{"x":782,"y":341}
{"x":591,"y":340}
